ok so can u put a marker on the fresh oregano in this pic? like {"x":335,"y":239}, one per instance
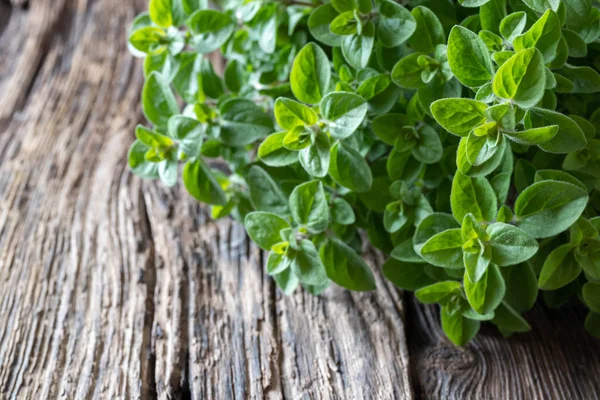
{"x":458,"y":138}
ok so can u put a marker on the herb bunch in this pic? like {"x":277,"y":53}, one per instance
{"x":458,"y":138}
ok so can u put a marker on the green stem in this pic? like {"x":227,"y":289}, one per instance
{"x":301,"y":3}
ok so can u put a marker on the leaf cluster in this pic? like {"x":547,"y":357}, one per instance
{"x":459,"y":139}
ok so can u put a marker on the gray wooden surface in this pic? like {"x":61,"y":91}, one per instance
{"x":111,"y":287}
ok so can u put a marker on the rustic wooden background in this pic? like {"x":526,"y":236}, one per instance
{"x":115,"y":288}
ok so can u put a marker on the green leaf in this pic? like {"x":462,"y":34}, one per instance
{"x":584,"y":79}
{"x":587,"y":255}
{"x":547,"y":208}
{"x":429,"y":31}
{"x":472,"y":229}
{"x":307,"y":265}
{"x":158,"y":102}
{"x":500,"y":57}
{"x":234,"y":76}
{"x":265,"y":194}
{"x":273,"y":153}
{"x":138,"y":163}
{"x":287,"y":281}
{"x":591,"y":295}
{"x":277,"y":263}
{"x":405,"y":252}
{"x":164,"y":62}
{"x":140,"y":22}
{"x":460,"y":330}
{"x":592,"y":324}
{"x":345,"y":24}
{"x":509,"y":321}
{"x":555,"y":175}
{"x":407,"y":72}
{"x":440,"y":292}
{"x":152,"y":139}
{"x":492,"y":41}
{"x":186,"y":82}
{"x":264,"y":228}
{"x":316,"y":158}
{"x":581,"y":230}
{"x":521,"y":287}
{"x":473,"y":195}
{"x":396,"y":24}
{"x":345,"y":267}
{"x":148,"y":40}
{"x":318,"y":25}
{"x":394,"y":217}
{"x":513,"y":25}
{"x":428,"y":148}
{"x":476,"y":258}
{"x":540,"y":6}
{"x":374,"y":86}
{"x":298,"y":138}
{"x":402,"y":165}
{"x":188,"y":132}
{"x":459,"y":116}
{"x":343,"y":112}
{"x":357,"y":48}
{"x":534,"y":136}
{"x":406,"y":275}
{"x":486,"y":294}
{"x":342,"y":212}
{"x":290,"y":113}
{"x":444,"y":249}
{"x":189,"y":6}
{"x":201,"y":183}
{"x":212,"y":85}
{"x":364,"y":6}
{"x":520,"y":78}
{"x":210,"y":30}
{"x":160,"y":12}
{"x":576,"y":44}
{"x":469,"y":58}
{"x":569,"y":137}
{"x":264,"y":25}
{"x":243,"y":122}
{"x":543,"y":35}
{"x":430,"y":226}
{"x":560,"y":268}
{"x":510,"y":245}
{"x":482,"y":148}
{"x":562,"y":54}
{"x":491,"y":14}
{"x":578,"y":11}
{"x":349,"y":168}
{"x":309,"y":207}
{"x":310,"y":74}
{"x":387,"y":127}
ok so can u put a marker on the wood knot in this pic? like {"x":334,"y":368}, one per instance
{"x":451,"y":359}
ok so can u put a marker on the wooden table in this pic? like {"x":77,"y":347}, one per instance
{"x":111,"y":287}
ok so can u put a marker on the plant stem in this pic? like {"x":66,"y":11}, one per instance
{"x":300,"y":3}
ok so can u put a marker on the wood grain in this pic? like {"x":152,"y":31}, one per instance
{"x":556,"y":360}
{"x":111,"y":287}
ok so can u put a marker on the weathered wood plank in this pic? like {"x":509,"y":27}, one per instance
{"x":557,"y":360}
{"x":245,"y":339}
{"x":73,"y":311}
